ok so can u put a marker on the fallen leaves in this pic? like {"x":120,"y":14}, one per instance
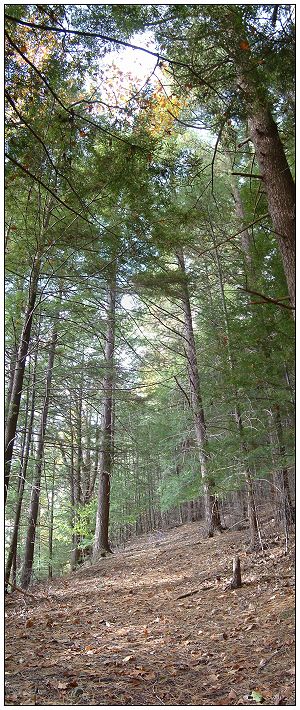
{"x":128,"y":658}
{"x":111,"y":647}
{"x":29,"y":623}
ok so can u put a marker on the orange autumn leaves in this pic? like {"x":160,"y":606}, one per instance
{"x":244,"y":45}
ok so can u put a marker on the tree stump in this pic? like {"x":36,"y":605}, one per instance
{"x":237,"y":578}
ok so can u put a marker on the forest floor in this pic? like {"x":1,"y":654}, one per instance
{"x":155,"y":624}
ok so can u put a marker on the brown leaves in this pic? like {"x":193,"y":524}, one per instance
{"x":128,"y":658}
{"x":210,"y":650}
{"x":244,"y":45}
{"x":29,"y":623}
{"x":139,"y":673}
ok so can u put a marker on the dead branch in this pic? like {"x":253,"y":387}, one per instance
{"x":187,"y":594}
{"x":266,"y":299}
{"x":249,"y":175}
{"x":22,"y":591}
{"x":247,"y":140}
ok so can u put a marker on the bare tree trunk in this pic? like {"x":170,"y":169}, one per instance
{"x":211,"y":512}
{"x":94,"y":466}
{"x":14,"y":571}
{"x":35,"y":495}
{"x":14,"y":406}
{"x":254,"y":533}
{"x":237,"y":577}
{"x":75,"y":552}
{"x":287,"y":505}
{"x":12,"y":366}
{"x":86,"y":459}
{"x":275,"y":171}
{"x":101,"y":544}
{"x":51,"y":521}
{"x":245,"y":237}
{"x":12,"y":553}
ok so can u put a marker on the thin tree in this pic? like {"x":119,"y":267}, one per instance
{"x":212,"y":515}
{"x":36,"y":486}
{"x":101,"y":542}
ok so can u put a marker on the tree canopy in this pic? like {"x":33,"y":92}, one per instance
{"x":150,"y":283}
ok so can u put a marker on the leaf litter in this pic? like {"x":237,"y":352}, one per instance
{"x":155,"y":624}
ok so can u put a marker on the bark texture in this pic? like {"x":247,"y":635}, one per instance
{"x":16,"y":393}
{"x":101,"y":543}
{"x":12,"y":552}
{"x":288,"y":509}
{"x":236,"y":581}
{"x":275,"y":172}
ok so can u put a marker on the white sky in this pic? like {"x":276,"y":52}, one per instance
{"x":138,"y":63}
{"x":136,"y":68}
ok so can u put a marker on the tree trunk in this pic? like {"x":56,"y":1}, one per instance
{"x":211,"y":512}
{"x":35,"y":495}
{"x":245,"y":236}
{"x":14,"y":406}
{"x":276,"y":175}
{"x":22,"y":478}
{"x":94,"y":466}
{"x":237,"y":577}
{"x":101,"y":544}
{"x":51,"y":521}
{"x":254,"y":533}
{"x":12,"y":366}
{"x":75,"y":551}
{"x":287,"y":506}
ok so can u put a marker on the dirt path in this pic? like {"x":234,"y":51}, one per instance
{"x":123,"y":633}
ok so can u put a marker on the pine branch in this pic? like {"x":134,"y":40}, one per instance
{"x":183,"y":391}
{"x":113,"y":40}
{"x":233,"y":236}
{"x":267,"y":299}
{"x":46,"y":187}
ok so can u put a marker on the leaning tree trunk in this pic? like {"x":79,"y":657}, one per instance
{"x":212,"y":516}
{"x":15,"y":399}
{"x":101,"y":543}
{"x":275,"y":173}
{"x":36,"y":486}
{"x":12,"y":365}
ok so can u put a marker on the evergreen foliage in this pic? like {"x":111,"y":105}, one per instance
{"x":107,"y":178}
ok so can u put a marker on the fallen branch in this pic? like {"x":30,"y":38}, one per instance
{"x":187,"y":594}
{"x":22,"y":591}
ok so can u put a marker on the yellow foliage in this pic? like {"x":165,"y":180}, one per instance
{"x":162,"y":112}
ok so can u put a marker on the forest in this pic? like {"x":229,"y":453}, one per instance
{"x":150,"y":302}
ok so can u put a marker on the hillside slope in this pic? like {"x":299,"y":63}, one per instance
{"x":155,"y":625}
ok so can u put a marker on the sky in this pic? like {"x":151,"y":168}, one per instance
{"x":136,"y":68}
{"x":127,"y":68}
